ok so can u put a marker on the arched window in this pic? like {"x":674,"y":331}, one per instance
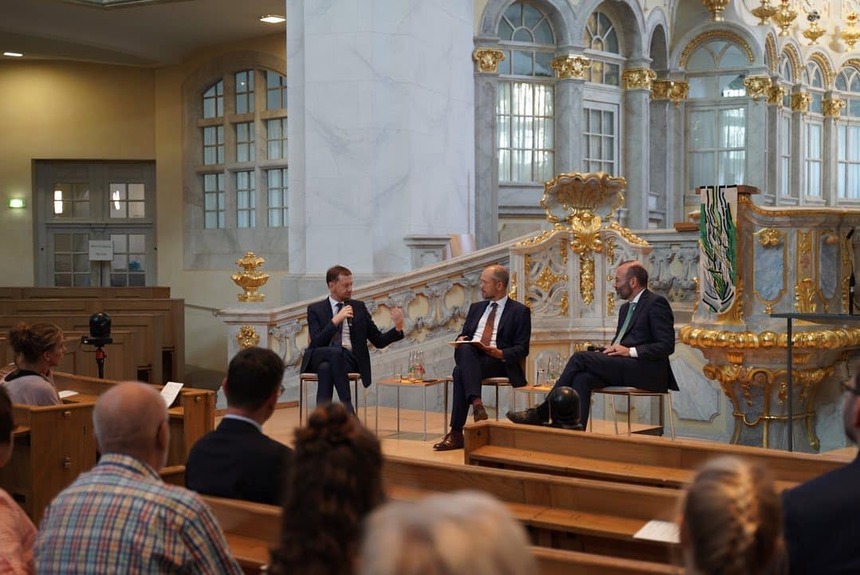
{"x":784,"y":183}
{"x":524,"y":106}
{"x":601,"y":110}
{"x":716,"y":115}
{"x":813,"y":133}
{"x":848,"y":135}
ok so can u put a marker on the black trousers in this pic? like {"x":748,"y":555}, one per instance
{"x":332,"y":364}
{"x":471,"y":366}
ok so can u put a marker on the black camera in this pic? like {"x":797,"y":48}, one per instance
{"x":599,"y":348}
{"x":99,"y":330}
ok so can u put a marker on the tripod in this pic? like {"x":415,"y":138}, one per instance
{"x":100,"y":360}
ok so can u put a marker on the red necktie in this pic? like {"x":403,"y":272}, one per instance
{"x":487,"y":334}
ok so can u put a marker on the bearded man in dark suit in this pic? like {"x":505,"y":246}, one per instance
{"x":639,"y":353}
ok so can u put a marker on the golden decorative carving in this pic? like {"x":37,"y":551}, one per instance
{"x":770,"y":52}
{"x":770,"y":238}
{"x":804,"y":296}
{"x":716,"y":7}
{"x":250,"y":279}
{"x":735,"y":314}
{"x":672,"y":90}
{"x":826,"y":70}
{"x":627,"y":234}
{"x":610,"y":303}
{"x":586,"y":234}
{"x":586,"y":278}
{"x":488,"y":59}
{"x":726,"y":35}
{"x":784,"y":17}
{"x":703,"y":338}
{"x":757,"y":86}
{"x":547,"y":279}
{"x":570,"y":67}
{"x":763,"y":13}
{"x":247,"y":337}
{"x":800,"y":102}
{"x":851,"y":33}
{"x":576,"y":196}
{"x":846,"y":274}
{"x":565,"y":304}
{"x":538,"y":239}
{"x":775,"y":94}
{"x":790,"y":52}
{"x":512,"y":293}
{"x":638,"y":78}
{"x":832,"y":107}
{"x":814,"y":32}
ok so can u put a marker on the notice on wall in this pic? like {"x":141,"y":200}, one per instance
{"x":101,"y":250}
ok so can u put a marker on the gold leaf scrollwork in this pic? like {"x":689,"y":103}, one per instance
{"x":800,"y":102}
{"x":832,"y":107}
{"x":570,"y":67}
{"x":673,"y":90}
{"x":757,"y":86}
{"x":775,"y":94}
{"x":638,"y":78}
{"x":586,"y":237}
{"x":804,"y":296}
{"x":586,"y":278}
{"x":247,"y":337}
{"x":770,"y":238}
{"x":628,"y":235}
{"x":565,"y":304}
{"x":488,"y":59}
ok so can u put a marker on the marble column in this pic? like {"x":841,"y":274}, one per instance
{"x":568,"y":122}
{"x":832,"y":110}
{"x":799,"y":108}
{"x":381,"y":129}
{"x":757,"y":151}
{"x":486,"y":162}
{"x":637,"y":97}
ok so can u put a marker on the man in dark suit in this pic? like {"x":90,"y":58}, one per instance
{"x":340,"y":328}
{"x":820,"y":516}
{"x":496,"y":337}
{"x":236,"y":460}
{"x":639,"y":353}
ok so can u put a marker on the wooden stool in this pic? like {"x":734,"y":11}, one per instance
{"x":312,"y":377}
{"x":628,"y":392}
{"x":497,"y":382}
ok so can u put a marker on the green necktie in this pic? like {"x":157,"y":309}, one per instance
{"x":626,"y":323}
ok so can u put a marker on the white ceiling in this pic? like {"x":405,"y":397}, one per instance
{"x":137,"y":33}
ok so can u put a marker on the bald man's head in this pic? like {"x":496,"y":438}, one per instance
{"x":131,"y":419}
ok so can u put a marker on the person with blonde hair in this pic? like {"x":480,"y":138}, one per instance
{"x":38,"y":349}
{"x":460,"y":533}
{"x":731,"y":520}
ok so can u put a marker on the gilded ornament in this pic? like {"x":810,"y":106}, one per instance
{"x":825,"y":67}
{"x":784,"y":17}
{"x":770,"y":238}
{"x":565,"y":304}
{"x":250,"y":279}
{"x":570,"y":67}
{"x":586,"y":278}
{"x":832,"y":107}
{"x":716,"y":7}
{"x":512,"y":293}
{"x":800,"y":102}
{"x":638,"y":78}
{"x":833,"y":339}
{"x":673,"y":90}
{"x":757,"y":86}
{"x":804,"y":296}
{"x":628,"y":235}
{"x":573,"y":199}
{"x":851,"y":33}
{"x":814,"y":32}
{"x":772,"y":58}
{"x":763,"y":12}
{"x":775,"y":94}
{"x":735,"y":314}
{"x":610,"y":303}
{"x":547,"y":279}
{"x":711,"y":35}
{"x":488,"y":59}
{"x":247,"y":337}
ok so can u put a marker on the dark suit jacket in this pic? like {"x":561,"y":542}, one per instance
{"x":361,"y":330}
{"x":512,"y":337}
{"x":652,"y":333}
{"x":238,"y":462}
{"x":822,"y":530}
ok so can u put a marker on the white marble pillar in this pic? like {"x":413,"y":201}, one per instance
{"x":830,"y":162}
{"x":757,"y":152}
{"x":568,"y":124}
{"x":636,"y":161}
{"x":796,"y":166}
{"x":658,"y":158}
{"x":381,"y":129}
{"x":487,"y":179}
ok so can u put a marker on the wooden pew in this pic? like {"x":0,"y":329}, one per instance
{"x":191,"y":418}
{"x":84,"y":292}
{"x":53,"y":444}
{"x":636,"y":459}
{"x":252,"y":529}
{"x":577,"y":514}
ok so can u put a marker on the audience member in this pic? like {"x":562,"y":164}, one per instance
{"x":496,"y":337}
{"x":120,"y":517}
{"x":236,"y":460}
{"x":335,"y":481}
{"x":821,"y":529}
{"x":38,"y":348}
{"x":17,"y":532}
{"x":638,"y":355}
{"x":731,"y":521}
{"x":340,"y":328}
{"x":461,"y":533}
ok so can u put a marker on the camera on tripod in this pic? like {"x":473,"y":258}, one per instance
{"x":99,"y":330}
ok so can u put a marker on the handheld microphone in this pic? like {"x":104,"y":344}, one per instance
{"x":348,"y":319}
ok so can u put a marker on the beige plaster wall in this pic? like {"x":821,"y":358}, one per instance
{"x":67,"y":110}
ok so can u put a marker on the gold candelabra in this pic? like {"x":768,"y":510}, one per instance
{"x":716,"y":8}
{"x":251,"y":279}
{"x":850,"y":34}
{"x":784,"y":13}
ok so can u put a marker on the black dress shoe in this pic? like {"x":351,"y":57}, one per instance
{"x":479,"y":413}
{"x":528,"y":417}
{"x":453,"y":440}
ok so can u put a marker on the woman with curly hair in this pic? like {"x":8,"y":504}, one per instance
{"x":38,"y":349}
{"x":732,"y":521}
{"x":335,"y":481}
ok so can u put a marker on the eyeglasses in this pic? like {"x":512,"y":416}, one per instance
{"x":846,"y":386}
